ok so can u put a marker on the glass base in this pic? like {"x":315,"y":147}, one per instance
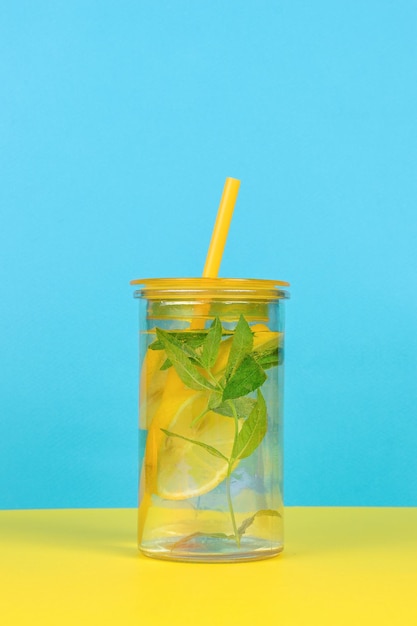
{"x":205,"y":549}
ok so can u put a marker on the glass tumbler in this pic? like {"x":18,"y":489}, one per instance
{"x":211,"y":418}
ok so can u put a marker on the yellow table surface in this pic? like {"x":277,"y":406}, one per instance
{"x":340,"y":566}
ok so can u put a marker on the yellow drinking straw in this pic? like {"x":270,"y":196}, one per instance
{"x":218,"y":242}
{"x":211,"y":270}
{"x":221,"y":228}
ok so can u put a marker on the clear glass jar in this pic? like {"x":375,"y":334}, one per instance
{"x":211,"y":418}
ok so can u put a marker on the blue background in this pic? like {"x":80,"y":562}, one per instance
{"x":119,"y":122}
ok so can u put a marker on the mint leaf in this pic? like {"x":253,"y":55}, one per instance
{"x":188,"y":372}
{"x":243,"y":407}
{"x":156,"y":345}
{"x":268,"y":358}
{"x":242,"y":344}
{"x":182,"y":542}
{"x":247,"y":522}
{"x":215,"y":400}
{"x":209,"y":449}
{"x":194,"y":339}
{"x":211,"y":344}
{"x":247,"y":377}
{"x":192,"y":355}
{"x":252,"y":431}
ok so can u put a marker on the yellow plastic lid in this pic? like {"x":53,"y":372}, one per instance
{"x":257,"y":288}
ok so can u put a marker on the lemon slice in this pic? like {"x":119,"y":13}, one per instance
{"x":186,"y":469}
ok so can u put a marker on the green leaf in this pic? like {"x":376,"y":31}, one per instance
{"x":156,"y":345}
{"x":252,"y":431}
{"x":182,"y":542}
{"x":243,"y":407}
{"x":268,"y":358}
{"x":166,"y":365}
{"x":247,"y":377}
{"x":191,"y":353}
{"x":209,"y":449}
{"x":188,"y":372}
{"x":215,"y":400}
{"x":211,"y":344}
{"x":194,"y":339}
{"x":242,"y":344}
{"x":247,"y":522}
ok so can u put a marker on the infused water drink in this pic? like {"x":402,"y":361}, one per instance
{"x":211,"y":418}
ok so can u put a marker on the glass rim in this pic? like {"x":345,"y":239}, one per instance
{"x":170,"y":287}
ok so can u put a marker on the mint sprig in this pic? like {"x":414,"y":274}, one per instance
{"x":194,"y":354}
